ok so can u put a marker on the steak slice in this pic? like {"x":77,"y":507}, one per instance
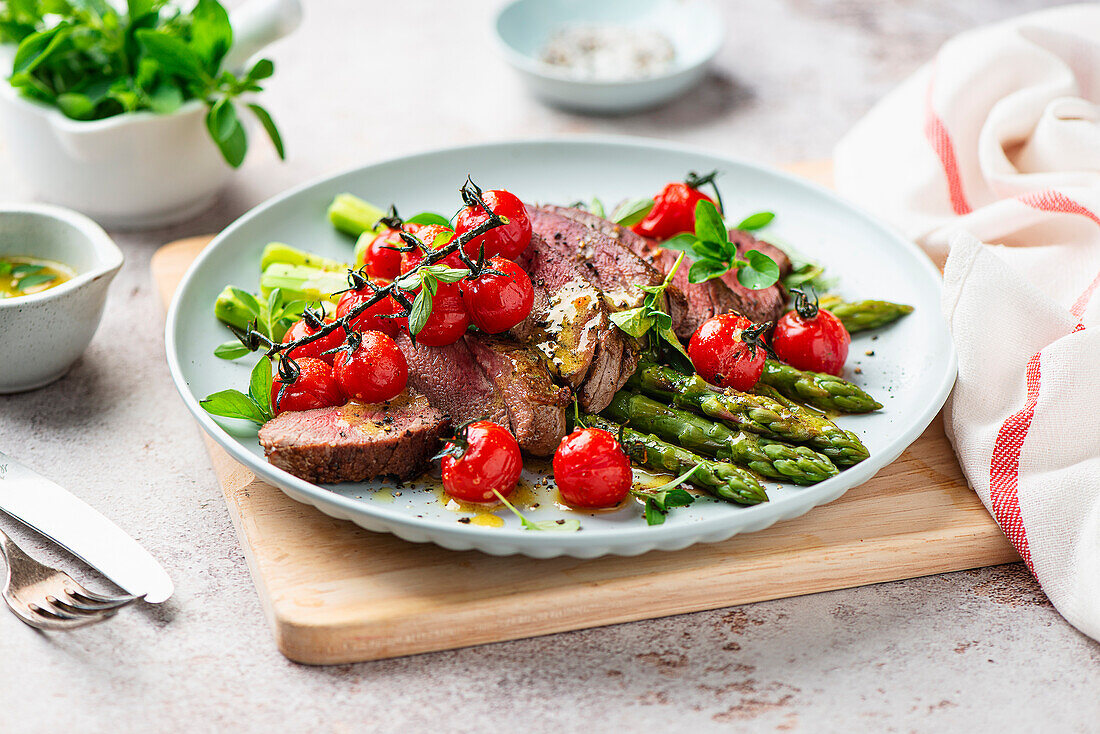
{"x":357,"y":441}
{"x":450,"y":378}
{"x":536,"y":406}
{"x":613,"y":253}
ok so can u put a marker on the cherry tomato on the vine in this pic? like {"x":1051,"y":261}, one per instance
{"x":379,"y":257}
{"x":315,"y":388}
{"x":375,"y":318}
{"x":508,"y":240}
{"x":811,"y":338}
{"x":673,"y":212}
{"x":374,"y":372}
{"x":448,"y":320}
{"x":726,"y":352}
{"x":491,"y":460}
{"x":315,"y":349}
{"x":496,"y":303}
{"x":591,"y":469}
{"x":435,"y":236}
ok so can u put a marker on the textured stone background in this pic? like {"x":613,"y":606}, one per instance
{"x":978,"y":650}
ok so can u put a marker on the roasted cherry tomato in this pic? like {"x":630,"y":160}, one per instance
{"x":379,"y":257}
{"x":727,"y":351}
{"x":432,"y":235}
{"x":811,"y":338}
{"x":591,"y":469}
{"x":490,"y":461}
{"x":496,"y":303}
{"x":508,"y":240}
{"x":315,"y":349}
{"x":673,"y":209}
{"x":374,"y":372}
{"x":448,"y":320}
{"x":375,"y":318}
{"x":315,"y":388}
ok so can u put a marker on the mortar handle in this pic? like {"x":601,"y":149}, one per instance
{"x":257,"y":24}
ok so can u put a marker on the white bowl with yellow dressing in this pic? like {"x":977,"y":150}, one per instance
{"x":45,"y":325}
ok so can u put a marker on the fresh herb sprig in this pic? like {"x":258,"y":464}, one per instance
{"x":93,"y":62}
{"x":714,"y":255}
{"x":273,"y":317}
{"x":254,"y":406}
{"x":651,"y":315}
{"x":566,"y":524}
{"x":253,"y":339}
{"x":659,"y":500}
{"x":26,"y":275}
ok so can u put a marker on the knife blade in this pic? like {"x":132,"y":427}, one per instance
{"x":76,"y":526}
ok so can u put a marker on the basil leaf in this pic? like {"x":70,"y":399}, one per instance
{"x":259,"y":386}
{"x":704,"y":270}
{"x":421,"y":309}
{"x":173,"y":54}
{"x":234,"y":404}
{"x":709,"y":224}
{"x":228,"y":132}
{"x":429,"y":218}
{"x":31,"y":281}
{"x":633,"y":321}
{"x":759,"y":272}
{"x":230,"y":350}
{"x":756,"y":221}
{"x":37,"y":47}
{"x":76,"y":106}
{"x":269,"y":127}
{"x":166,"y":98}
{"x":683,"y":242}
{"x":631,"y":212}
{"x":262,"y":69}
{"x":211,"y":34}
{"x":18,"y":271}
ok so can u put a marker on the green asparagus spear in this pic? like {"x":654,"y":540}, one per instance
{"x":798,"y":464}
{"x":819,"y":389}
{"x":864,"y":315}
{"x":354,"y":216}
{"x":302,"y":283}
{"x":752,"y":413}
{"x":277,"y":252}
{"x":846,"y":448}
{"x":724,"y":481}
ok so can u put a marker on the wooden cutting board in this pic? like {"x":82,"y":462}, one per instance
{"x":335,"y":593}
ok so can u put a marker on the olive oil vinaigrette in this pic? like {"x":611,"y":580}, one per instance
{"x":23,"y":276}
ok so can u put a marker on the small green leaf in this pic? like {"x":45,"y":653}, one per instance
{"x":596,"y":207}
{"x":231,"y":350}
{"x":635,"y":321}
{"x":5,"y":268}
{"x":262,"y":69}
{"x":234,"y":404}
{"x":275,"y":303}
{"x":654,"y":515}
{"x":211,"y":34}
{"x":166,"y":98}
{"x":37,"y":47}
{"x":709,"y":225}
{"x":250,"y":302}
{"x":631,"y":212}
{"x":22,"y":269}
{"x":704,"y":270}
{"x":269,"y":127}
{"x":704,"y":250}
{"x":173,"y":54}
{"x":569,"y":524}
{"x":32,"y":281}
{"x":259,"y":386}
{"x":76,"y":106}
{"x":421,"y":309}
{"x":429,"y":218}
{"x":759,"y":272}
{"x":451,"y":275}
{"x":683,"y":242}
{"x":756,"y":221}
{"x":228,"y":132}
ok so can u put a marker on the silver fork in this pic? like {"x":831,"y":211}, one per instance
{"x":50,"y":599}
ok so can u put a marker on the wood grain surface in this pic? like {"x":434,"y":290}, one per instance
{"x":335,"y":593}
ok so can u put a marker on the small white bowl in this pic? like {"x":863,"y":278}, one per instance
{"x":42,"y":334}
{"x":694,"y":27}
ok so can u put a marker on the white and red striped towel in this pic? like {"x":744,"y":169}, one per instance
{"x":989,"y":156}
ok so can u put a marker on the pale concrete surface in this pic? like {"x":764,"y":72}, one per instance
{"x":977,"y":651}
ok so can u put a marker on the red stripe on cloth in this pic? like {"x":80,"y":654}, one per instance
{"x":940,"y":140}
{"x":1051,"y":200}
{"x":1004,"y":470}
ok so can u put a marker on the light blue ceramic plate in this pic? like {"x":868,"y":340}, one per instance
{"x":694,"y":27}
{"x":911,"y":372}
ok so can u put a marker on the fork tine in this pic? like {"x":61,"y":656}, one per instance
{"x":53,"y":622}
{"x":85,"y":600}
{"x":51,"y":611}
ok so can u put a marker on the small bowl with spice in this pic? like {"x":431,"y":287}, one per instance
{"x":55,"y":267}
{"x":613,"y":56}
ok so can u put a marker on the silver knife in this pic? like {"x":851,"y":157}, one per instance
{"x":79,"y":528}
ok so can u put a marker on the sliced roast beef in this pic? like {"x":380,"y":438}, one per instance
{"x":612,"y":251}
{"x":536,"y":406}
{"x":356,"y":442}
{"x":450,"y":378}
{"x":570,"y":325}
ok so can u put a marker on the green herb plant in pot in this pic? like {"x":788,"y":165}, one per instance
{"x":135,"y":115}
